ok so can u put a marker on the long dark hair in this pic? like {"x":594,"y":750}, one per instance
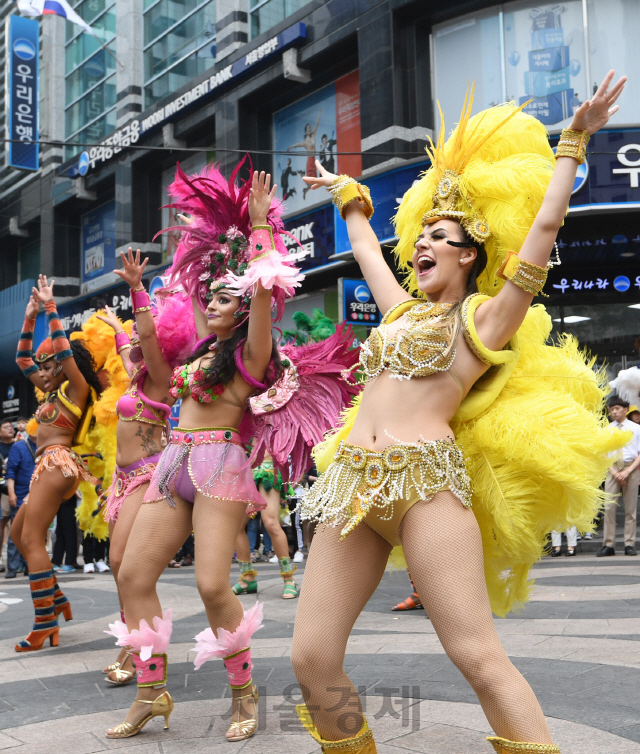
{"x":477,"y":268}
{"x":86,"y":365}
{"x":221,"y":369}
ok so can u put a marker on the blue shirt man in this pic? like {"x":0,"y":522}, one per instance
{"x":20,"y":465}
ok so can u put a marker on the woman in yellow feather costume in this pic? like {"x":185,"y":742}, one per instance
{"x":472,"y":438}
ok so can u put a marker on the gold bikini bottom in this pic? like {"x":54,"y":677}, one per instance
{"x":379,"y":488}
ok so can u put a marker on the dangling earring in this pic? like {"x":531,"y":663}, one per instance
{"x":57,"y":369}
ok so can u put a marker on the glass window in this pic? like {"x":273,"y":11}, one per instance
{"x":88,"y":75}
{"x":92,"y":105}
{"x":267,"y":13}
{"x":517,"y":51}
{"x":613,"y":45}
{"x":465,"y":50}
{"x":177,"y":52}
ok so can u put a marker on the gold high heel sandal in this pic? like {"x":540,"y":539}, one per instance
{"x":121,"y":677}
{"x":161,"y":705}
{"x":240,"y":730}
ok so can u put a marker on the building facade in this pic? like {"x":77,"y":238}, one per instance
{"x":353,"y":83}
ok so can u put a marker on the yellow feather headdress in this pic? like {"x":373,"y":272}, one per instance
{"x":491,"y":175}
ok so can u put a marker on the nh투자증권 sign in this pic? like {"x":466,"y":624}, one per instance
{"x":21,"y":85}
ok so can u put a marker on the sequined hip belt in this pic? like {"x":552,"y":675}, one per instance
{"x":204,"y":435}
{"x":362,"y":483}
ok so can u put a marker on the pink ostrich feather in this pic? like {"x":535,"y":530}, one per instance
{"x":217,"y":205}
{"x":290,"y":433}
{"x":175,"y":326}
{"x":145,"y":640}
{"x":227,"y":643}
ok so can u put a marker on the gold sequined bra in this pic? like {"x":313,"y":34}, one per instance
{"x":427,"y":345}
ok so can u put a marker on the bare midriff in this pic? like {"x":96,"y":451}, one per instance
{"x":49,"y":435}
{"x":136,"y":440}
{"x":223,"y":412}
{"x":410,"y":410}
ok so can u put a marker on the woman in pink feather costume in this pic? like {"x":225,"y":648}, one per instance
{"x":142,"y":412}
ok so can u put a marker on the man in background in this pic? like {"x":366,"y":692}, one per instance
{"x":20,"y":466}
{"x":622,"y":481}
{"x":6,"y":443}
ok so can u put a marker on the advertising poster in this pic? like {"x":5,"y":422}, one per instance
{"x":318,"y":127}
{"x":191,"y":165}
{"x":544,"y":50}
{"x":99,"y":241}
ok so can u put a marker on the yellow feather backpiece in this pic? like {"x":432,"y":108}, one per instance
{"x":504,"y":164}
{"x":102,"y":436}
{"x":536,"y":457}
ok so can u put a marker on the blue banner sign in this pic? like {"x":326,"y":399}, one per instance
{"x":356,"y":305}
{"x":23,"y":54}
{"x":312,"y":237}
{"x":99,"y":241}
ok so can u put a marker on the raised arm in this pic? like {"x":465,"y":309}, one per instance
{"x":123,"y":342}
{"x":385,"y":289}
{"x":78,"y":387}
{"x":498,"y":320}
{"x":158,"y":369}
{"x":24,"y":355}
{"x":257,"y":350}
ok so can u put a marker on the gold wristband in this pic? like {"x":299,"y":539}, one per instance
{"x":121,"y":349}
{"x":346,"y":190}
{"x":526,"y":275}
{"x":573,"y":144}
{"x":142,"y":309}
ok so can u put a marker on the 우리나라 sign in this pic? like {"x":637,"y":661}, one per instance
{"x":22,"y":46}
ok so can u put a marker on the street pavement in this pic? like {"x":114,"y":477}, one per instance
{"x":577,"y":642}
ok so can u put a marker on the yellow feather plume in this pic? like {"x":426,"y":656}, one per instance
{"x":504,"y":164}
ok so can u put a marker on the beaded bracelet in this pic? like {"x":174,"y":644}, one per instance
{"x":141,"y":300}
{"x":573,"y":144}
{"x":525,"y":275}
{"x":346,"y":190}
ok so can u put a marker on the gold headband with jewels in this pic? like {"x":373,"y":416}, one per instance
{"x":446,"y":201}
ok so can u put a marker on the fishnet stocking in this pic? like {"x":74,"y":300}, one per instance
{"x":339,"y":579}
{"x":443,"y":548}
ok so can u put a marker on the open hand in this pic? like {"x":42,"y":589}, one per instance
{"x":110,"y":319}
{"x":44,"y":291}
{"x":133,"y":270}
{"x":260,"y":197}
{"x":324,"y":177}
{"x":33,"y":305}
{"x":594,"y":114}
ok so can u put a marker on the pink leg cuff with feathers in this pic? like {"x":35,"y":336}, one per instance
{"x":145,"y":641}
{"x":233,"y":648}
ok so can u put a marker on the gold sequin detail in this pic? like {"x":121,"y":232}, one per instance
{"x":503,"y":746}
{"x":467,"y":332}
{"x":426,"y":347}
{"x":361,"y":480}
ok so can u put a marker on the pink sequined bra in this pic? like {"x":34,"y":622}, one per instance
{"x":134,"y":406}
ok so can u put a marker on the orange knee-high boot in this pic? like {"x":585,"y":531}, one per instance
{"x":503,"y":746}
{"x":61,"y":602}
{"x":45,"y":627}
{"x":361,"y":743}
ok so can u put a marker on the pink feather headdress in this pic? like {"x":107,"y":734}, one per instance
{"x":216,"y":246}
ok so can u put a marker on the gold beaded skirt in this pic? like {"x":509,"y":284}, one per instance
{"x":379,"y":488}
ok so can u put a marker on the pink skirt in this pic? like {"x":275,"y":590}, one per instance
{"x":208,"y":460}
{"x":127,"y":479}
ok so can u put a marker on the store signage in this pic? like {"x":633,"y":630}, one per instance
{"x":311,"y":237}
{"x":98,"y":239}
{"x":587,"y":282}
{"x":22,"y":43}
{"x":613,"y":167}
{"x":356,"y":305}
{"x":10,"y":404}
{"x":130,"y":133}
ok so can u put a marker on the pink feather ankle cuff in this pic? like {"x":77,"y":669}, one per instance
{"x":152,"y":671}
{"x":145,"y":641}
{"x":230,"y":646}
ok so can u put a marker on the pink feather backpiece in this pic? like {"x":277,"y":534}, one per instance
{"x":227,"y":643}
{"x":290,"y":432}
{"x":145,"y":640}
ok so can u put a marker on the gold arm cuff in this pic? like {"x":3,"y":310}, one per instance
{"x":526,"y":275}
{"x":573,"y":144}
{"x":346,"y":190}
{"x":126,"y":345}
{"x":142,"y":309}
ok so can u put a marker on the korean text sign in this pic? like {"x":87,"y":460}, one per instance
{"x":356,"y":304}
{"x":99,"y":241}
{"x":22,"y":50}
